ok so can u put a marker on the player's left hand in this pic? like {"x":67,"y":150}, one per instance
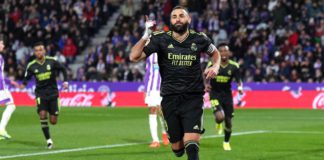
{"x":211,"y":72}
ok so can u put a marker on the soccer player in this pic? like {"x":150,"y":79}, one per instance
{"x":182,"y":84}
{"x":5,"y":97}
{"x":220,"y":92}
{"x":153,"y":99}
{"x":45,"y":69}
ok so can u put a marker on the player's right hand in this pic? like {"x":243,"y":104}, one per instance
{"x":211,"y":72}
{"x":208,"y":88}
{"x":149,"y":24}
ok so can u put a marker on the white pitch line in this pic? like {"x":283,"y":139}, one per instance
{"x":237,"y":134}
{"x":112,"y":146}
{"x":298,"y":132}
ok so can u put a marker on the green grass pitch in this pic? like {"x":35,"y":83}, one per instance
{"x":123,"y":134}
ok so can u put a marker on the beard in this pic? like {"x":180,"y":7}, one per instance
{"x":180,"y":29}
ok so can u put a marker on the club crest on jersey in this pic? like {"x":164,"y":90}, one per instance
{"x":193,"y":47}
{"x":229,"y":72}
{"x":36,"y":71}
{"x":48,"y":67}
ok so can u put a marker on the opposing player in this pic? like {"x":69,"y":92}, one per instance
{"x":220,"y":92}
{"x":182,"y":85}
{"x":5,"y":97}
{"x":45,"y":70}
{"x":153,"y":99}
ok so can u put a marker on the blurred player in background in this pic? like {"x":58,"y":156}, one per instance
{"x":45,"y":70}
{"x":5,"y":97}
{"x":153,"y":100}
{"x":220,"y":92}
{"x":182,"y":84}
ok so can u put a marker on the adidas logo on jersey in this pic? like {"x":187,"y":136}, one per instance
{"x":170,"y":46}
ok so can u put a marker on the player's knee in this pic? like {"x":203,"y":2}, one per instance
{"x":219,"y":117}
{"x":53,"y":122}
{"x":179,"y":152}
{"x":192,"y":147}
{"x":152,"y":110}
{"x":228,"y":124}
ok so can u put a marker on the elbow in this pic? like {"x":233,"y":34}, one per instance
{"x":133,"y":58}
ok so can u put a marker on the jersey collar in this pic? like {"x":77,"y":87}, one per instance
{"x":40,"y":62}
{"x":182,"y":40}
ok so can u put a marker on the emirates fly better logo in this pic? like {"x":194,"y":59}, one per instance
{"x":318,"y":102}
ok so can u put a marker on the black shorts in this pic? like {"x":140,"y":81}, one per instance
{"x":183,"y":114}
{"x":222,"y":101}
{"x":52,"y":106}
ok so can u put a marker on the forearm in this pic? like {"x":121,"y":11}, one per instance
{"x":65,"y":79}
{"x":137,"y":51}
{"x":216,"y":59}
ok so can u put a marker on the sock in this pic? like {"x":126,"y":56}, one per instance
{"x":227,"y":133}
{"x":45,"y":128}
{"x":192,"y":149}
{"x":162,"y":124}
{"x":49,"y":141}
{"x":6,"y":116}
{"x":153,"y":127}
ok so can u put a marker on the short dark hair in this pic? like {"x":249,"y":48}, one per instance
{"x":180,"y":7}
{"x":38,"y":44}
{"x":222,"y":44}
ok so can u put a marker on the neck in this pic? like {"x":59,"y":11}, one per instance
{"x":41,"y":60}
{"x":180,"y":37}
{"x":224,"y":63}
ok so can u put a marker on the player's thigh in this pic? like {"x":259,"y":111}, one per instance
{"x":228,"y":106}
{"x":42,"y":104}
{"x":215,"y":101}
{"x":192,"y":114}
{"x":173,"y":122}
{"x":54,"y":107}
{"x":153,"y":99}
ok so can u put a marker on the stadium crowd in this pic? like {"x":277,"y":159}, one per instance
{"x":65,"y":27}
{"x":273,"y":40}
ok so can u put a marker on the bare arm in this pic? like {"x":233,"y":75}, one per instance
{"x":213,"y":71}
{"x":137,"y":53}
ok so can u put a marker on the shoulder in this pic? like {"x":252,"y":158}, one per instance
{"x":233,"y":63}
{"x":200,"y":35}
{"x":48,"y":58}
{"x":30,"y":64}
{"x":158,"y":33}
{"x":157,"y":36}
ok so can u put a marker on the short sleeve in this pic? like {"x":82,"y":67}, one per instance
{"x":151,"y":46}
{"x":209,"y":47}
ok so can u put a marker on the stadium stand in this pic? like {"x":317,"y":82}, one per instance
{"x":273,"y":40}
{"x":64,"y":26}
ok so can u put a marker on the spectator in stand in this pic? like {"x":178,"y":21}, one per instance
{"x":70,"y":50}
